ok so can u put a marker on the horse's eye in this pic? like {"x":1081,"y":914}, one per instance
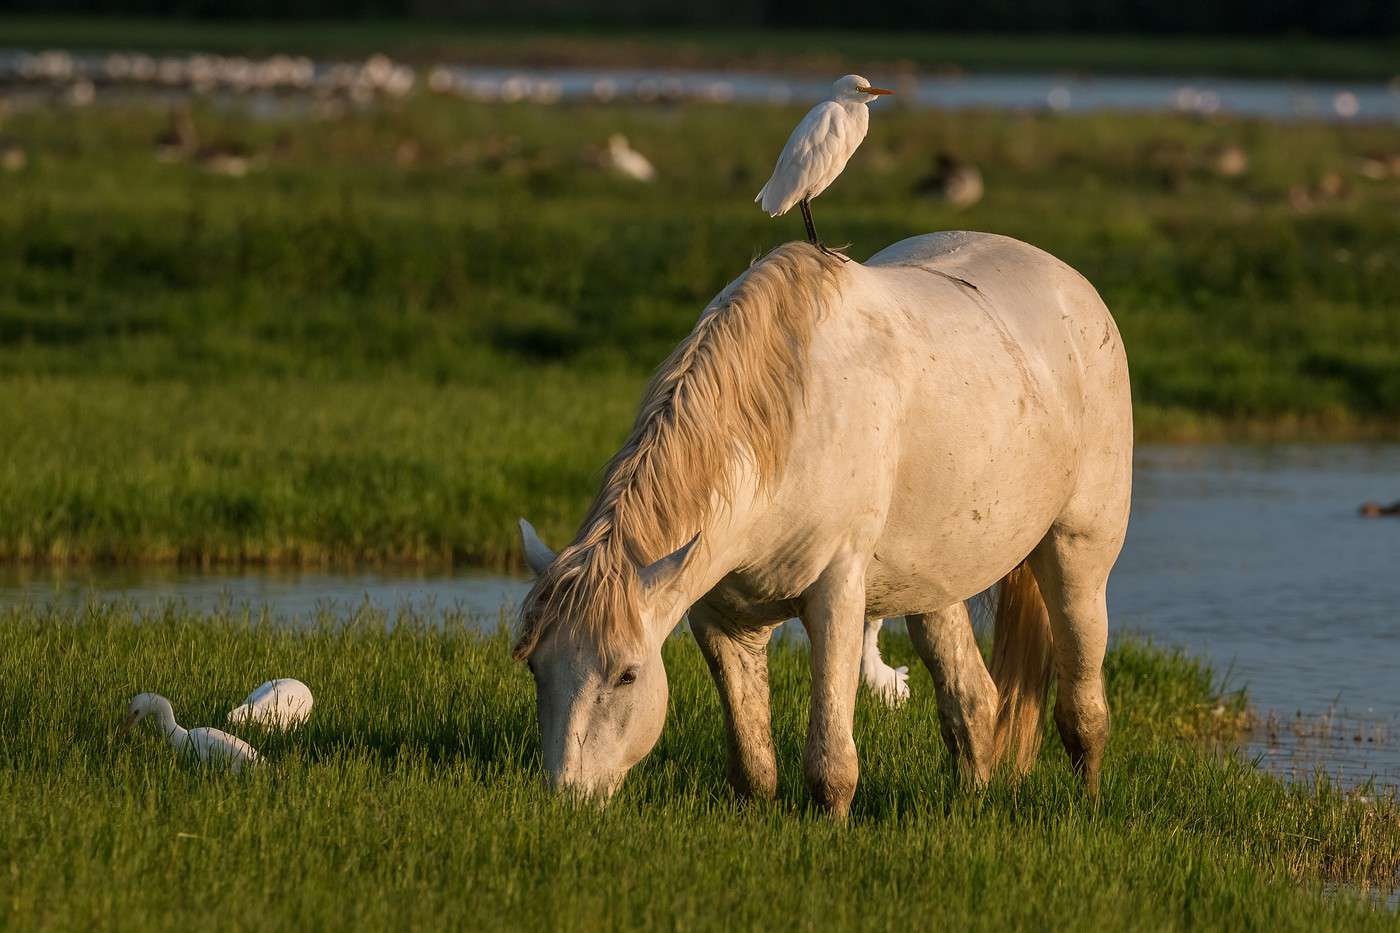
{"x":628,"y":677}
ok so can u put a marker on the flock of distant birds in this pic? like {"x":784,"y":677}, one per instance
{"x":79,"y":77}
{"x":284,"y":703}
{"x":76,"y":79}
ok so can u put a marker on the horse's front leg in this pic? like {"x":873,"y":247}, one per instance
{"x":834,"y":615}
{"x":738,"y":661}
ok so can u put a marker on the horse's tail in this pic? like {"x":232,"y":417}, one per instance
{"x":1020,"y":668}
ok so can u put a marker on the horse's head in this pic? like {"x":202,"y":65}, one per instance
{"x":600,"y":685}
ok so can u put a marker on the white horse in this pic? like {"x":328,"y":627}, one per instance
{"x":843,"y":442}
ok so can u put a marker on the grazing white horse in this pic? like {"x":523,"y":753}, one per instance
{"x":842,"y":442}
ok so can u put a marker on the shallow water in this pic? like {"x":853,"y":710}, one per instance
{"x":293,"y":596}
{"x":1278,"y":99}
{"x":1272,"y":98}
{"x":1376,"y":898}
{"x":1253,"y":557}
{"x":1256,"y":558}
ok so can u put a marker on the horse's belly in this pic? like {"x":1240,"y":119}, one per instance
{"x":967,"y":506}
{"x":956,"y":558}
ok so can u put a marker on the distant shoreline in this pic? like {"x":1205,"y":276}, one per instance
{"x":795,"y":52}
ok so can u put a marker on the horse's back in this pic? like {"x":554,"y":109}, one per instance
{"x":1063,"y":330}
{"x":949,"y":250}
{"x":959,"y":389}
{"x":1060,"y":322}
{"x":1013,"y":397}
{"x":1047,"y":314}
{"x":929,"y":248}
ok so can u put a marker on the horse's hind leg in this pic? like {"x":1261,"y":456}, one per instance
{"x":738,"y":661}
{"x":967,"y":698}
{"x":1071,"y":565}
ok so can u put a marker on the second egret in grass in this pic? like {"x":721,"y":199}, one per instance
{"x":628,"y":162}
{"x":281,"y":703}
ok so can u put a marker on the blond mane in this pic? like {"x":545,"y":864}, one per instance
{"x":729,"y":391}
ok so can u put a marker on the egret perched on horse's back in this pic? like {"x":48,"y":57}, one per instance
{"x":817,"y":151}
{"x":210,"y":746}
{"x":281,"y":703}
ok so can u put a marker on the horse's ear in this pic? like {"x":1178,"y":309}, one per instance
{"x":537,"y":554}
{"x":663,"y":572}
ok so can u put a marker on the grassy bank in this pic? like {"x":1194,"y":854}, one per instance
{"x":298,"y":472}
{"x":788,"y":50}
{"x":413,"y":798}
{"x":406,"y":326}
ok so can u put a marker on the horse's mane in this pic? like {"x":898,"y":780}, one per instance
{"x":730,"y":390}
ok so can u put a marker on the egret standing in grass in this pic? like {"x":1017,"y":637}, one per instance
{"x":281,"y":703}
{"x":627,"y":161}
{"x":210,"y":746}
{"x":818,"y":150}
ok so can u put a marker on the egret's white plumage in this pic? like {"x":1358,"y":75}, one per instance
{"x":282,"y":703}
{"x":208,"y":745}
{"x":819,"y":148}
{"x":890,"y":684}
{"x":627,"y":161}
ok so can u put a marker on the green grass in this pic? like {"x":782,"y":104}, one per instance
{"x":299,"y":473}
{"x":825,"y":52}
{"x":413,"y":798}
{"x":352,"y":355}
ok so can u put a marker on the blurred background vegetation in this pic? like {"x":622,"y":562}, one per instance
{"x":799,"y":46}
{"x":298,"y":329}
{"x":1368,"y":18}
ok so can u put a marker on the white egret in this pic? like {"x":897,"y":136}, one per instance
{"x":889,"y":684}
{"x":818,"y":150}
{"x":208,"y":745}
{"x":283,"y":703}
{"x":627,"y":161}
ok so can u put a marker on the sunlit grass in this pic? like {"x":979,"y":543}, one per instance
{"x":413,"y":797}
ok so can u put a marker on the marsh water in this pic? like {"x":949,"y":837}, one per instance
{"x":1273,"y":98}
{"x":23,"y":75}
{"x":1252,"y":557}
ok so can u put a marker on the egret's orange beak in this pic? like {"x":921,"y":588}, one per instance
{"x":876,"y":90}
{"x":127,"y":724}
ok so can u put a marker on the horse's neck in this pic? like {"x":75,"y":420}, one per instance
{"x":720,"y":549}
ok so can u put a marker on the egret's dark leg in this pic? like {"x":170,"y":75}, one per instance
{"x":812,"y":232}
{"x":811,"y":227}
